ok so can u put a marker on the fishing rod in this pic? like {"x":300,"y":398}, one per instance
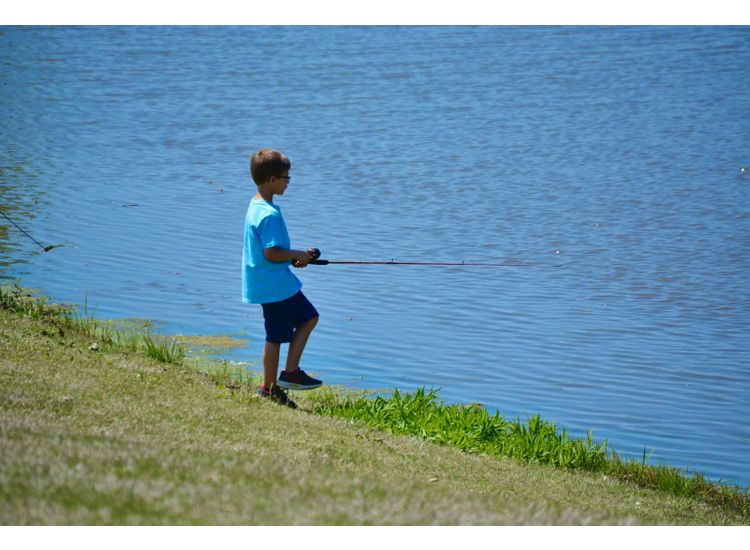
{"x":467,"y":264}
{"x":315,"y":260}
{"x":45,"y":248}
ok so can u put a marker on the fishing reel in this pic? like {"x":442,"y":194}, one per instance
{"x":314,"y":257}
{"x":314,"y":254}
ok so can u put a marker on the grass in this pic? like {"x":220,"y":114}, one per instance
{"x":25,"y":302}
{"x":116,"y":436}
{"x":468,"y":427}
{"x":472,"y":429}
{"x":164,"y":350}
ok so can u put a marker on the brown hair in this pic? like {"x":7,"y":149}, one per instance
{"x":266,"y":163}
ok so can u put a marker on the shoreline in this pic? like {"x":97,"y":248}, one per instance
{"x":466,"y":432}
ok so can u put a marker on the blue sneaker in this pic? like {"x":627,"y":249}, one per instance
{"x":298,"y":380}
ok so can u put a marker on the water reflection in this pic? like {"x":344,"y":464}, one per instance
{"x":19,"y":199}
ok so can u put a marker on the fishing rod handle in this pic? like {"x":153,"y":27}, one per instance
{"x":314,"y":254}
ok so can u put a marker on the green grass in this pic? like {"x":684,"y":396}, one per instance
{"x":26,"y":303}
{"x":164,"y":350}
{"x":472,"y":429}
{"x":116,"y":436}
{"x":468,"y":427}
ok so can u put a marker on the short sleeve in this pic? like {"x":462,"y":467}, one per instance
{"x":271,"y":232}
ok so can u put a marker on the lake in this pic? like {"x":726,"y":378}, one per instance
{"x":607,"y":161}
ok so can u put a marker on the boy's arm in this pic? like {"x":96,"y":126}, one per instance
{"x":277,"y":254}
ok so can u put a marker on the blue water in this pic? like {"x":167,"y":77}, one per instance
{"x":607,"y":160}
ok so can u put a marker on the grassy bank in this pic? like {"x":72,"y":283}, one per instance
{"x":472,"y":429}
{"x":129,"y":432}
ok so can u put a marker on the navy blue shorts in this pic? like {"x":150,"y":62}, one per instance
{"x":282,"y":318}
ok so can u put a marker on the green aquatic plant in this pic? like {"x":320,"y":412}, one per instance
{"x":207,"y":350}
{"x":219,"y":342}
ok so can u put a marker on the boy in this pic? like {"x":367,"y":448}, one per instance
{"x":267,"y":279}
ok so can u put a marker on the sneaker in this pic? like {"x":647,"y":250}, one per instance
{"x":277,"y":395}
{"x":298,"y":380}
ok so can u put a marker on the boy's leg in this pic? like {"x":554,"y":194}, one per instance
{"x":297,"y":345}
{"x":270,"y":363}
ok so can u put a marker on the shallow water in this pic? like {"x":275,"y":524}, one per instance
{"x":607,"y":160}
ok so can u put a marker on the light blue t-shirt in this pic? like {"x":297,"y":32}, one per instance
{"x":264,"y":282}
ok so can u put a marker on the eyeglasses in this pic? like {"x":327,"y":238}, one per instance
{"x":287,"y":178}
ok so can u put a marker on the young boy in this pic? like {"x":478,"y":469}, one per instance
{"x":267,"y":279}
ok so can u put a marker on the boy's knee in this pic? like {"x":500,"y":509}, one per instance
{"x":310,"y":323}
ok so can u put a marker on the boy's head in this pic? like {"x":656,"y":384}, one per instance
{"x":267,"y":163}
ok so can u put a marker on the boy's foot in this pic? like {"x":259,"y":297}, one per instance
{"x":298,"y":380}
{"x":277,"y":395}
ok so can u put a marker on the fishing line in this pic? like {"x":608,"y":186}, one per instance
{"x":314,"y":254}
{"x":45,"y":248}
{"x":466,"y":264}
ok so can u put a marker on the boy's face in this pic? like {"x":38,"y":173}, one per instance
{"x":278,"y":184}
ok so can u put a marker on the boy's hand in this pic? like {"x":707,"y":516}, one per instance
{"x":301,"y":259}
